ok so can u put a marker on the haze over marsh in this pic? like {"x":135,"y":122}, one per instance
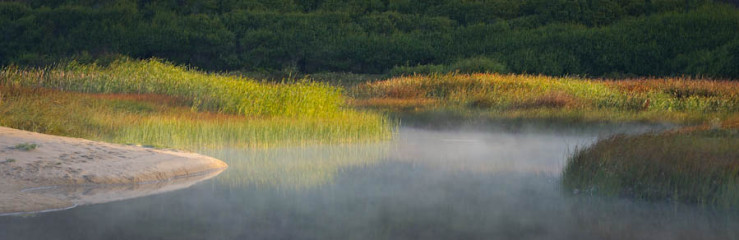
{"x":373,"y":119}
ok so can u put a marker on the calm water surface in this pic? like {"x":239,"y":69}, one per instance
{"x":472,"y":183}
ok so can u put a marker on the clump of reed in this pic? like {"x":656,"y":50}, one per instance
{"x":207,"y":91}
{"x":199,"y":132}
{"x":536,"y":96}
{"x":697,"y":165}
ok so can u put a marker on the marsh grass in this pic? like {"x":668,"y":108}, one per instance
{"x":151,"y":102}
{"x":182,"y":131}
{"x":695,"y":165}
{"x":202,"y":91}
{"x":163,"y":121}
{"x":537,"y":97}
{"x":338,"y":79}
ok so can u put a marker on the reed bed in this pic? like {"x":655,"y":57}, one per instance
{"x":532,"y":96}
{"x":179,"y":131}
{"x":164,"y":121}
{"x":206,"y":91}
{"x":698,"y":165}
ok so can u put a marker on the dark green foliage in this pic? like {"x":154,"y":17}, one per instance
{"x":25,"y":146}
{"x":557,"y":37}
{"x":467,"y":65}
{"x":428,"y":69}
{"x":478,"y":65}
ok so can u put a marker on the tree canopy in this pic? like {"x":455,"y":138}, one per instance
{"x":555,"y":37}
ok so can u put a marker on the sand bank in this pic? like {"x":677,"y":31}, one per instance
{"x":73,"y":165}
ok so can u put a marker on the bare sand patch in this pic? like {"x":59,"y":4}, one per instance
{"x":52,"y":175}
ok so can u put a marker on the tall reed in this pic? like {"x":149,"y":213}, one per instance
{"x":208,"y":91}
{"x":164,"y":121}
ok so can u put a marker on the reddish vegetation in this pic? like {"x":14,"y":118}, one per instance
{"x":152,"y":98}
{"x":550,"y":100}
{"x":403,"y":103}
{"x":678,"y":87}
{"x":536,"y":96}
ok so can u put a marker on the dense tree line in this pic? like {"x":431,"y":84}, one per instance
{"x":588,"y":37}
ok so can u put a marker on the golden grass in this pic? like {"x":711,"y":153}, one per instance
{"x":165,"y":121}
{"x":156,"y":103}
{"x":394,"y":103}
{"x":212,"y":92}
{"x":531,"y":96}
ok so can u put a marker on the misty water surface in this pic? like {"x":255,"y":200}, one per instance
{"x":467,"y":183}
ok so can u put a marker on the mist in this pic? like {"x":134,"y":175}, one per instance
{"x":464,"y":183}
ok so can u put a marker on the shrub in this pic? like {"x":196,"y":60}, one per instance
{"x":478,"y":65}
{"x":695,"y":167}
{"x":467,"y":65}
{"x":427,"y":69}
{"x":25,"y":146}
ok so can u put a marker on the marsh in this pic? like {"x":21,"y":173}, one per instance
{"x":474,"y":182}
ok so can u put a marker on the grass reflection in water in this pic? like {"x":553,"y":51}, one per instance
{"x":295,"y":168}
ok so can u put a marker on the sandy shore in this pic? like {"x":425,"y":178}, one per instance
{"x":72,"y":163}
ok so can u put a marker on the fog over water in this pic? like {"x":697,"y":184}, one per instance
{"x":464,"y":183}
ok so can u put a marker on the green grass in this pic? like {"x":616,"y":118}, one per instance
{"x":694,"y":166}
{"x":555,"y":98}
{"x":158,"y":104}
{"x":25,"y":146}
{"x":338,"y":79}
{"x":212,"y":92}
{"x":215,"y":132}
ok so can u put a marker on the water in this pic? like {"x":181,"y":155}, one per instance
{"x":470,"y":183}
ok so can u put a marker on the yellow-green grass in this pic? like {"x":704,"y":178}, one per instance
{"x":212,"y":92}
{"x":699,"y":165}
{"x":566,"y":98}
{"x":164,"y":121}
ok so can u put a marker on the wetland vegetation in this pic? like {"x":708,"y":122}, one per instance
{"x":696,"y":165}
{"x":511,"y":96}
{"x":160,"y":104}
{"x":155,"y":103}
{"x":293,"y":93}
{"x":693,"y":164}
